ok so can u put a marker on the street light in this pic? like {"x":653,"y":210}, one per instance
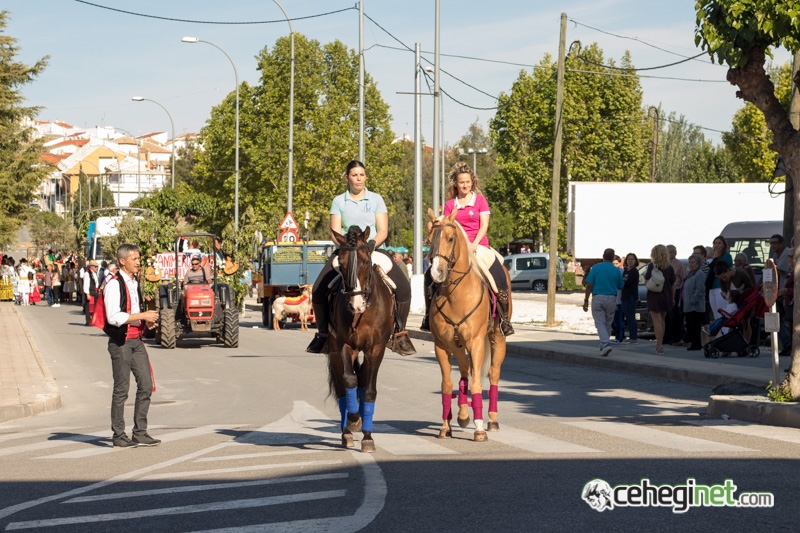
{"x":291,"y":108}
{"x":236,"y":74}
{"x":142,"y":99}
{"x":475,"y":153}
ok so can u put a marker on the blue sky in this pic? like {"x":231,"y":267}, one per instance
{"x":99,"y":58}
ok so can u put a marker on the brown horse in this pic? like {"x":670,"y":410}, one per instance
{"x":362,"y":320}
{"x":462,"y":324}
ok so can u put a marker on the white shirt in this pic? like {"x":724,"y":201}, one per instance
{"x":87,"y":280}
{"x":114,"y":315}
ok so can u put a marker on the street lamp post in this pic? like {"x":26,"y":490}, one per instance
{"x":172,"y":123}
{"x":291,"y":107}
{"x":236,"y":74}
{"x":475,"y":152}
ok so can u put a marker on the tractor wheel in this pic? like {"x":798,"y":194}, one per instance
{"x":230,"y":332}
{"x":166,"y":328}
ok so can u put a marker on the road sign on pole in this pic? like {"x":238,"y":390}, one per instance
{"x":289,"y":222}
{"x":288,"y":235}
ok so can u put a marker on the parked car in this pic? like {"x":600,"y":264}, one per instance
{"x":530,"y":271}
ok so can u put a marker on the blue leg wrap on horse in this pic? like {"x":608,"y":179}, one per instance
{"x":343,"y":409}
{"x":368,"y":409}
{"x":352,"y":400}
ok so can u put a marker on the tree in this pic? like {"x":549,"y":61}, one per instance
{"x":325,"y":137}
{"x":49,"y":230}
{"x":740,"y":33}
{"x":21,"y":166}
{"x":89,"y":195}
{"x":184,"y":164}
{"x":605,"y":137}
{"x":183,"y":204}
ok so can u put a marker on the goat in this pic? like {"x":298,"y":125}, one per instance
{"x":281,"y":308}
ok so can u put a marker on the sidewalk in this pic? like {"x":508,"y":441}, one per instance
{"x":26,"y":386}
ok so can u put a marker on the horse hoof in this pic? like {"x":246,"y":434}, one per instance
{"x":464,"y":422}
{"x":480,"y":436}
{"x":354,"y":426}
{"x":347,"y":441}
{"x":493,"y":426}
{"x":445,"y":433}
{"x":368,"y":446}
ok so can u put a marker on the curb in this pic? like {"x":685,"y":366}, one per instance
{"x":758,"y":409}
{"x":48,"y":398}
{"x":694,"y":377}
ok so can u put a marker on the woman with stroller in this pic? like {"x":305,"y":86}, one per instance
{"x":693,"y":296}
{"x":735,"y":285}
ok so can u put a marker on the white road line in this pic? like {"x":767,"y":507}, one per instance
{"x":536,"y":443}
{"x":35,"y":433}
{"x":398,"y":442}
{"x":257,"y":455}
{"x":656,"y":437}
{"x":182,"y":509}
{"x":217,"y":486}
{"x":54,"y":443}
{"x":783,"y":434}
{"x":167,"y":437}
{"x":193,"y":473}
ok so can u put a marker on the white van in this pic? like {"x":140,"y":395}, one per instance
{"x":752,"y":239}
{"x":530,"y":271}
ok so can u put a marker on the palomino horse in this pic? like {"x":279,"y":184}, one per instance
{"x":462,"y":324}
{"x":362,"y":319}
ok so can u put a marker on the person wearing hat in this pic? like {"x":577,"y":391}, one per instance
{"x":91,"y":282}
{"x":197,"y":273}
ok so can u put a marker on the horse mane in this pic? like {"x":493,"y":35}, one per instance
{"x":466,"y":242}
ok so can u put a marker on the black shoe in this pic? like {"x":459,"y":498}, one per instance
{"x":317,"y":344}
{"x":124,"y":442}
{"x":506,"y":328}
{"x":401,"y":344}
{"x":145,"y":440}
{"x":425,"y":326}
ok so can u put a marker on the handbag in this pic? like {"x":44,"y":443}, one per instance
{"x":99,"y":312}
{"x":656,"y":281}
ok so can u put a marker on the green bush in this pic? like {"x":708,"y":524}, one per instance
{"x":568,"y":282}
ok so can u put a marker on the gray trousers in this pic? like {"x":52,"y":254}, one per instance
{"x":603,"y":308}
{"x":129,"y":358}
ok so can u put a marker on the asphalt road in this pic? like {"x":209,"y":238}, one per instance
{"x":251,"y":443}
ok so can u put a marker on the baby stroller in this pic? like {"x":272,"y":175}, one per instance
{"x":733,"y":340}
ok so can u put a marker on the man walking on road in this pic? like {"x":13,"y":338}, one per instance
{"x":603,"y":282}
{"x":125,"y":323}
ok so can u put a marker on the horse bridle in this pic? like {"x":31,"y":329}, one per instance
{"x":352,"y":273}
{"x":434,"y":252}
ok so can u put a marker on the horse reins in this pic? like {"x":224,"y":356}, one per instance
{"x":352,"y":274}
{"x":434,"y":252}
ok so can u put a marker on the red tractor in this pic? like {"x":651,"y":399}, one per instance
{"x":202,"y":307}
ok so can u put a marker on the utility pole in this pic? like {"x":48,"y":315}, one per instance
{"x":654,"y":150}
{"x":554,"y":201}
{"x":361,"y":147}
{"x":418,"y":222}
{"x":436,"y":112}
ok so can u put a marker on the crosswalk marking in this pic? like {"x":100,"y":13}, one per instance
{"x":257,"y":455}
{"x":181,"y":509}
{"x":783,"y":434}
{"x":655,"y":437}
{"x":536,"y":443}
{"x":216,"y":486}
{"x":167,"y":437}
{"x":194,"y":473}
{"x":397,"y":442}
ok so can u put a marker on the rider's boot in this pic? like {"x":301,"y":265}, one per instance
{"x":502,"y":305}
{"x":321,"y":338}
{"x":401,"y":343}
{"x":425,"y":326}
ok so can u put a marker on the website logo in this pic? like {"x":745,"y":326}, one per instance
{"x":599,"y":495}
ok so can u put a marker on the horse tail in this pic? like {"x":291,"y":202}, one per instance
{"x":331,"y":382}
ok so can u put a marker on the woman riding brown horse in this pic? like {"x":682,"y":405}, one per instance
{"x":362,"y":319}
{"x":463,"y":323}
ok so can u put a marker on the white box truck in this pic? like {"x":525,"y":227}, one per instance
{"x":634,"y":217}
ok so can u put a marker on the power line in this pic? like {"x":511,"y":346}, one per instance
{"x":643,"y":76}
{"x":378,"y":45}
{"x":170,"y":19}
{"x":631,"y":69}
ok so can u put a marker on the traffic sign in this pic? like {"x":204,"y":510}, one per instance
{"x":289,"y":222}
{"x":288,"y":235}
{"x":769,"y":280}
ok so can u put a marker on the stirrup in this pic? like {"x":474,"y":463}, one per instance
{"x":401,"y":344}
{"x":506,"y":328}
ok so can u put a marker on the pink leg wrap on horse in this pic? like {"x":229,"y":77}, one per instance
{"x":492,"y":398}
{"x":447,"y":401}
{"x":462,"y":391}
{"x":477,"y":406}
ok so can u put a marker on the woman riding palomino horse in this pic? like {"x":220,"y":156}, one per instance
{"x":472,"y":213}
{"x":358,"y":206}
{"x":462,"y":324}
{"x":361,"y":321}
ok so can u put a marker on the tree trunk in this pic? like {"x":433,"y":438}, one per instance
{"x":756,"y":87}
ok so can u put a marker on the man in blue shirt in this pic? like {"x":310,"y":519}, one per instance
{"x":603,"y":282}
